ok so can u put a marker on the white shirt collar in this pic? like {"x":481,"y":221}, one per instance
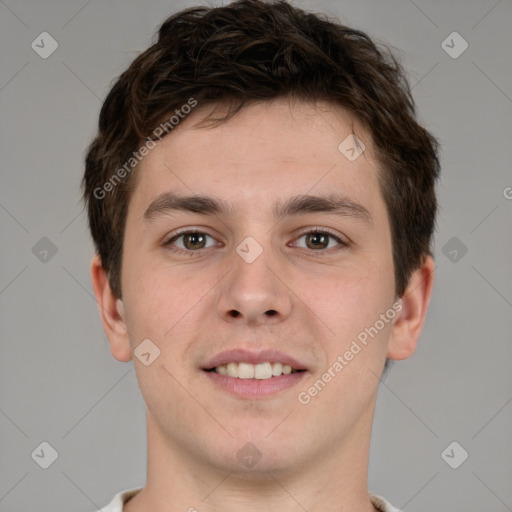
{"x":118,"y":501}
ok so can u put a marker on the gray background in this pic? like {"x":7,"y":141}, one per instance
{"x":58,"y":381}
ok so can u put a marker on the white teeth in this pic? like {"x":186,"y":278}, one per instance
{"x":259,"y":371}
{"x":263,"y":371}
{"x":232,"y":369}
{"x":222,"y":369}
{"x":245,"y":371}
{"x":277,"y":369}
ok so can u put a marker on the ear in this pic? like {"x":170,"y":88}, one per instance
{"x":409,"y":322}
{"x":111,"y":312}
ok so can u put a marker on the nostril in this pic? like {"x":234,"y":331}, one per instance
{"x":271,"y":312}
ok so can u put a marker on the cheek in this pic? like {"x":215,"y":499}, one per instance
{"x":347,"y":307}
{"x":168,"y":306}
{"x":351,"y":297}
{"x":153,"y":302}
{"x":160,"y":308}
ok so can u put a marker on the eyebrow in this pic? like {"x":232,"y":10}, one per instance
{"x":168,"y":203}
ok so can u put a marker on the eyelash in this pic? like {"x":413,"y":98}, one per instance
{"x":343,"y":244}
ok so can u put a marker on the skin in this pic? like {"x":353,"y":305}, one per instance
{"x":314,"y":456}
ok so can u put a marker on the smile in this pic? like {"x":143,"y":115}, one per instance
{"x":260,"y":371}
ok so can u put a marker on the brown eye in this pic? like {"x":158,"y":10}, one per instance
{"x":194,"y":240}
{"x":319,"y":240}
{"x":190,"y":241}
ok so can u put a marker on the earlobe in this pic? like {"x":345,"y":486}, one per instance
{"x":111,"y":311}
{"x":409,"y":323}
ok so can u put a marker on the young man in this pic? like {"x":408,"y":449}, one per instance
{"x":262,"y":203}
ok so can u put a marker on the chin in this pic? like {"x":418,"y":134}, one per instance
{"x":259,"y":457}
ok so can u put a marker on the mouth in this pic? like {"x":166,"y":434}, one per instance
{"x":260,"y":371}
{"x":250,"y":375}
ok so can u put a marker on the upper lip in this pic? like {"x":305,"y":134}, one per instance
{"x":241,"y":355}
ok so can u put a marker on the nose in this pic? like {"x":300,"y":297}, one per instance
{"x":255,"y":293}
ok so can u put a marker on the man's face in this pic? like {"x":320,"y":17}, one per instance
{"x":256,"y":283}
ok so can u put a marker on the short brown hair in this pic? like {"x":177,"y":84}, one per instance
{"x":251,"y":51}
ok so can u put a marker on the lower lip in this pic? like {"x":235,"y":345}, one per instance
{"x":255,"y":388}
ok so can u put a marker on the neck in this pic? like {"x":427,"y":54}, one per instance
{"x":335,"y":482}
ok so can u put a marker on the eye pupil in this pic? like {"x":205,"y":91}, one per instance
{"x":318,"y":238}
{"x":197,"y":240}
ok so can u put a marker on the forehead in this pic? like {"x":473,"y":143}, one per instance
{"x":268,"y":151}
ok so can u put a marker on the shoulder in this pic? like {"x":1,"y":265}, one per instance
{"x":381,"y":504}
{"x":118,"y":501}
